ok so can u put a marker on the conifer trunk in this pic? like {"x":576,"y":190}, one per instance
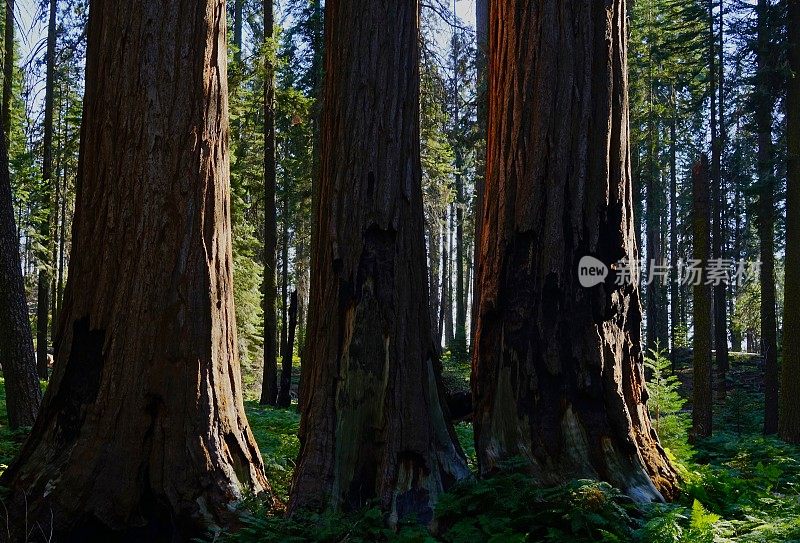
{"x":43,"y":296}
{"x":23,"y":395}
{"x":717,"y":249}
{"x":372,"y":426}
{"x":269,"y":383}
{"x":285,"y":396}
{"x":142,"y":434}
{"x":558,"y":373}
{"x":766,"y":217}
{"x":790,"y":370}
{"x":702,"y":337}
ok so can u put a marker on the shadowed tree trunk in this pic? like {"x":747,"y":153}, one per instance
{"x":316,"y":80}
{"x":701,"y":340}
{"x":674,"y":285}
{"x":482,"y":53}
{"x":142,"y":434}
{"x":8,"y":68}
{"x":238,"y":26}
{"x":766,"y":217}
{"x":372,"y":426}
{"x":657,"y":314}
{"x":558,"y":373}
{"x":718,"y":199}
{"x":459,"y":347}
{"x":269,"y":385}
{"x":449,"y":328}
{"x":434,"y":261}
{"x":16,"y":342}
{"x":285,"y":397}
{"x":43,"y":296}
{"x":790,"y":370}
{"x":17,"y":357}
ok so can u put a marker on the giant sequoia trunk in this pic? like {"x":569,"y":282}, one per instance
{"x":790,"y":370}
{"x":558,"y":376}
{"x":372,"y":422}
{"x":16,"y":343}
{"x":142,"y":432}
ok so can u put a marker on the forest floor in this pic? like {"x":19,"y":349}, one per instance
{"x":737,"y":486}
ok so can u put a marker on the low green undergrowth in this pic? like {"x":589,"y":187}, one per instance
{"x":275,"y":431}
{"x":738,"y":486}
{"x":10,"y":440}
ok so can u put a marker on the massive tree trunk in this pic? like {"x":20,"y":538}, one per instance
{"x":790,"y":370}
{"x":372,"y":425}
{"x":717,"y":252}
{"x":766,"y":218}
{"x":142,"y":433}
{"x":269,"y":384}
{"x":43,"y":296}
{"x":701,"y":340}
{"x":558,"y":368}
{"x":16,"y":342}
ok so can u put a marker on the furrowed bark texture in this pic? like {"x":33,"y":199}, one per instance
{"x":372,"y":425}
{"x":23,"y":394}
{"x":702,"y":337}
{"x":789,"y":421}
{"x":557,"y":370}
{"x":142,"y":433}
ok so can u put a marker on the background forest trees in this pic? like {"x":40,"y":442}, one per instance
{"x":705,"y":77}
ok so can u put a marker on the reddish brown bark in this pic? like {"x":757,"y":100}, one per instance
{"x":372,"y":424}
{"x":142,"y":433}
{"x":558,"y":377}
